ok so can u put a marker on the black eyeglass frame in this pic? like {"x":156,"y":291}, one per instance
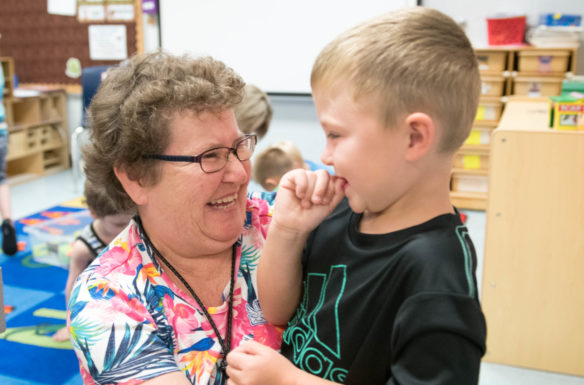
{"x":198,"y":158}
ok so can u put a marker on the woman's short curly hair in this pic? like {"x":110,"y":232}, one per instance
{"x":130,"y":113}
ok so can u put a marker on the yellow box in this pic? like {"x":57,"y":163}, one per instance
{"x":491,"y":61}
{"x":492,"y":85}
{"x":537,"y":86}
{"x":569,"y":115}
{"x":468,"y":160}
{"x":543,"y":61}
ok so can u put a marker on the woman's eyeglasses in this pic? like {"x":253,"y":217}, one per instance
{"x":215,"y":159}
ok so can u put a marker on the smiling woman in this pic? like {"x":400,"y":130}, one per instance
{"x":174,"y":292}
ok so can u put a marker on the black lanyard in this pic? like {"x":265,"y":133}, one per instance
{"x":225,"y":343}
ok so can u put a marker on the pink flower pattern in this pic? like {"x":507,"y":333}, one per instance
{"x":124,"y":291}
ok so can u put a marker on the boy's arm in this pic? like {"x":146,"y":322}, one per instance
{"x":80,"y":257}
{"x":255,"y":364}
{"x":304,"y":199}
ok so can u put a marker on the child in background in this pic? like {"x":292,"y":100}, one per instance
{"x":383,"y":290}
{"x":254,"y":113}
{"x":9,"y":244}
{"x":95,"y":237}
{"x":274,"y":161}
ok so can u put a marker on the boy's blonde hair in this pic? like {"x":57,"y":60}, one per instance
{"x":410,"y":60}
{"x":254,"y":113}
{"x":274,"y":161}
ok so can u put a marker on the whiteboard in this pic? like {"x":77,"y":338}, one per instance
{"x":270,"y":43}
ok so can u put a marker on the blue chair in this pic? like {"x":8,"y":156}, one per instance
{"x":91,"y":78}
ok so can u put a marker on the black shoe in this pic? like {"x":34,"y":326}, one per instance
{"x":9,"y":245}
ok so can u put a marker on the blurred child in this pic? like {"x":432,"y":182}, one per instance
{"x":254,"y":113}
{"x":274,"y":161}
{"x":9,"y":244}
{"x":383,"y":290}
{"x":95,"y":237}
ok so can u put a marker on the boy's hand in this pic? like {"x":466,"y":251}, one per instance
{"x":255,"y":364}
{"x":305,"y":198}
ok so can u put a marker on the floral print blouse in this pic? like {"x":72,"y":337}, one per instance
{"x":129,"y":322}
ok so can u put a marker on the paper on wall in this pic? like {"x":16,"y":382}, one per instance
{"x":107,"y":42}
{"x":62,"y":7}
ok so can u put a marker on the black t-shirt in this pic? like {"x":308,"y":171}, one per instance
{"x":397,"y":308}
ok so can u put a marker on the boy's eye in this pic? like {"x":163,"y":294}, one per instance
{"x":332,"y":135}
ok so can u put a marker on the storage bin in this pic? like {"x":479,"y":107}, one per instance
{"x":492,"y":85}
{"x":51,"y":240}
{"x":479,"y":135}
{"x":489,"y":110}
{"x":543,"y":61}
{"x":470,"y":160}
{"x":537,"y":86}
{"x":506,"y":30}
{"x":491,"y":61}
{"x":469,"y":183}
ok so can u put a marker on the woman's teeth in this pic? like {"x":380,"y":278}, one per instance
{"x":224,"y":202}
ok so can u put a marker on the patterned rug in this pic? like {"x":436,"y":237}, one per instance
{"x":34,"y":301}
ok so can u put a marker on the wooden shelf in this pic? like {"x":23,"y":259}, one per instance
{"x":38,"y":135}
{"x":512,"y":64}
{"x":469,"y":200}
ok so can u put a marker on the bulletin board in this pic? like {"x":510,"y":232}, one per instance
{"x":41,"y":43}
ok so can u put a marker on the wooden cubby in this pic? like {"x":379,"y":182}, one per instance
{"x":506,"y":72}
{"x":38,"y":136}
{"x":8,"y":70}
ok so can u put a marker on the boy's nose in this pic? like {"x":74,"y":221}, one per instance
{"x":326,"y":156}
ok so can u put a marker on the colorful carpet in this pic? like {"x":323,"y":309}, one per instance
{"x":34,"y":301}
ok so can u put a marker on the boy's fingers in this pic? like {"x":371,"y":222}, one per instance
{"x":321,"y":186}
{"x":251,"y":347}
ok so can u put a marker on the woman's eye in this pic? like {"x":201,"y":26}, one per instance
{"x":212,"y":155}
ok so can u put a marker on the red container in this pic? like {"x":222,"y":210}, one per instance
{"x":506,"y":31}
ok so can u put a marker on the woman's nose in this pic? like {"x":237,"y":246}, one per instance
{"x":237,"y":170}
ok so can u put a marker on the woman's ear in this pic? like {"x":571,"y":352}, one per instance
{"x":137,"y":192}
{"x":421,"y":135}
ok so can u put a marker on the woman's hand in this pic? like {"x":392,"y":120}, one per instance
{"x":255,"y":364}
{"x":305,"y":198}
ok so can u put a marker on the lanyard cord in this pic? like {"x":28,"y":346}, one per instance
{"x":225,"y":344}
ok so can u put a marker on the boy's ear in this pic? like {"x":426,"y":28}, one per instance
{"x":135,"y":189}
{"x":421,"y":135}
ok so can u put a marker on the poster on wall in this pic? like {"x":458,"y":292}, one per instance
{"x":107,"y":42}
{"x":120,"y":12}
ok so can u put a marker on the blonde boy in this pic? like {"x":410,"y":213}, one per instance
{"x":383,"y":290}
{"x":274,"y":161}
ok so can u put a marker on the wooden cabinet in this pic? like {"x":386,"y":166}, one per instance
{"x":38,"y":135}
{"x":532,"y":286}
{"x":520,"y":72}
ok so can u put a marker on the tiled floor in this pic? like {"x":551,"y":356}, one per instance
{"x":46,"y":192}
